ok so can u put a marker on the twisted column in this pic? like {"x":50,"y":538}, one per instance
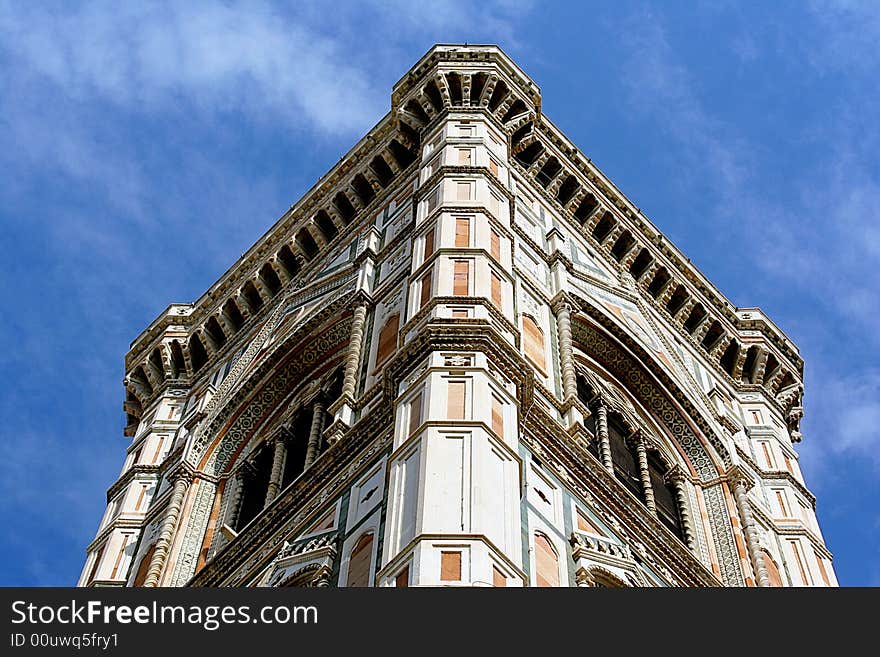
{"x":602,"y":430}
{"x":278,"y":456}
{"x":237,"y":498}
{"x":353,"y":356}
{"x":566,"y":354}
{"x":181,"y":481}
{"x":644,"y":472}
{"x":738,"y":481}
{"x":676,"y":478}
{"x":315,"y":433}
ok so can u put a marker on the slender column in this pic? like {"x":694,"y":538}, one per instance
{"x":566,"y":356}
{"x":645,"y":474}
{"x":182,"y":479}
{"x":353,"y":357}
{"x":736,"y":479}
{"x":280,"y":447}
{"x":602,"y":430}
{"x":315,"y":432}
{"x":237,"y":498}
{"x":676,"y":478}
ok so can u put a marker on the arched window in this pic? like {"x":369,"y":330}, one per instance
{"x":388,"y":338}
{"x":359,"y":561}
{"x":664,"y":496}
{"x":626,"y":465}
{"x":586,"y":394}
{"x":533,"y":338}
{"x":773,"y":575}
{"x":144,"y":566}
{"x":546,"y":562}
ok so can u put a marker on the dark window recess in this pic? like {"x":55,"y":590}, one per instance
{"x":728,"y":358}
{"x":604,"y":227}
{"x":270,"y":279}
{"x":252,"y":296}
{"x":677,"y":300}
{"x":498,"y":95}
{"x":288,"y":261}
{"x":530,"y":153}
{"x":307,"y":243}
{"x":548,"y":171}
{"x":749,"y":366}
{"x":415,"y":108}
{"x":586,"y":207}
{"x":626,"y":466}
{"x":344,"y":207}
{"x":178,"y":362}
{"x":640,"y":265}
{"x":212,"y":326}
{"x":659,"y":282}
{"x":453,"y":81}
{"x":664,"y":497}
{"x":403,"y":156}
{"x":382,"y":170}
{"x":567,"y":190}
{"x":363,"y":188}
{"x":325,"y":224}
{"x":233,"y":314}
{"x":297,"y":445}
{"x":434,"y":96}
{"x":155,"y":362}
{"x":521,"y":133}
{"x":516,"y":108}
{"x":771,"y":367}
{"x":695,"y":318}
{"x":590,"y":426}
{"x":197,"y":354}
{"x":622,"y":246}
{"x":713,"y":335}
{"x":255,"y":485}
{"x":478,"y":83}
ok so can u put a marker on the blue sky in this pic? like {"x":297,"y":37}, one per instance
{"x":144,"y":147}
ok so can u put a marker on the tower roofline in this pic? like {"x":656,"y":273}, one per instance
{"x":439,"y":64}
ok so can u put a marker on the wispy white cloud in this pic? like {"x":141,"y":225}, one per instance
{"x":825,"y":243}
{"x":846,"y":409}
{"x":136,"y":134}
{"x":817,"y":237}
{"x":237,"y":57}
{"x":849,"y":36}
{"x":660,"y":86}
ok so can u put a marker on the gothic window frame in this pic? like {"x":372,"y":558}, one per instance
{"x":369,"y":525}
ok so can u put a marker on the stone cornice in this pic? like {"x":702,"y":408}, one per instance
{"x":779,"y":475}
{"x":736,"y":319}
{"x":130,"y":475}
{"x":297,"y":217}
{"x":797,"y":528}
{"x":459,"y":56}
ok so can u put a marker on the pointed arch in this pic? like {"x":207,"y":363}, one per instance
{"x":546,"y":562}
{"x":774,"y":577}
{"x":387,"y":338}
{"x":360,"y":561}
{"x":533,"y":342}
{"x":144,"y":566}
